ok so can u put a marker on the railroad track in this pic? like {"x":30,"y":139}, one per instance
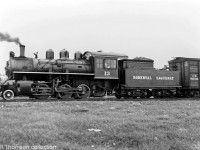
{"x":108,"y":98}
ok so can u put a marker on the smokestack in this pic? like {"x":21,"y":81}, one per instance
{"x":22,"y":50}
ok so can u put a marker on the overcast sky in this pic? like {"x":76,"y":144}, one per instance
{"x":156,"y":29}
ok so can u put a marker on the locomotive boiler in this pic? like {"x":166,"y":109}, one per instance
{"x":90,"y":73}
{"x":26,"y":66}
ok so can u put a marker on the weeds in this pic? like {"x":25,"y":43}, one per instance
{"x":144,"y":125}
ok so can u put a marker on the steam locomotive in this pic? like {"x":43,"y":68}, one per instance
{"x":88,"y":74}
{"x":97,"y":73}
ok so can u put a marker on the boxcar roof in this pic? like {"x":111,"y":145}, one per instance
{"x":184,"y":59}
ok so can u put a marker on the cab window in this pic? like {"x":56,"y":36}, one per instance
{"x":99,"y":63}
{"x":110,"y":63}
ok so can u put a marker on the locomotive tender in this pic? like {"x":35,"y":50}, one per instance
{"x":97,"y":73}
{"x":139,"y":78}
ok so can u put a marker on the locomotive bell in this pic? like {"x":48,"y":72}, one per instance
{"x":64,"y":54}
{"x":12,"y":54}
{"x":22,"y":50}
{"x":50,"y":54}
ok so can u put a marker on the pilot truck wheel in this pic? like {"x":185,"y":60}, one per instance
{"x":8,"y":94}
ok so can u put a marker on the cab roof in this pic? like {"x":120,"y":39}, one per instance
{"x":104,"y":54}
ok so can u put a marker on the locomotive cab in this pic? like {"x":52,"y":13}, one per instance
{"x":105,"y":68}
{"x":105,"y":64}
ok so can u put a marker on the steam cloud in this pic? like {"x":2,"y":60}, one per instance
{"x":8,"y":38}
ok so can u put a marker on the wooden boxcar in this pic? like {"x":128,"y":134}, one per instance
{"x":189,"y":74}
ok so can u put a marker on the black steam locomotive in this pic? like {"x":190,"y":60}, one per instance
{"x":88,"y":74}
{"x":97,"y":73}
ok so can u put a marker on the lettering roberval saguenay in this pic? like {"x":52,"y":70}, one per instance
{"x":150,"y":78}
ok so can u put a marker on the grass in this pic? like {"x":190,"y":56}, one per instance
{"x":138,"y":125}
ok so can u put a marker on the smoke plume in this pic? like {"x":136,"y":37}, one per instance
{"x":8,"y":38}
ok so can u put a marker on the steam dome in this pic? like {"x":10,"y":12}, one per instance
{"x":64,"y":54}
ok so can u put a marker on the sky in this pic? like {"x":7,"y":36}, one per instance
{"x":156,"y":29}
